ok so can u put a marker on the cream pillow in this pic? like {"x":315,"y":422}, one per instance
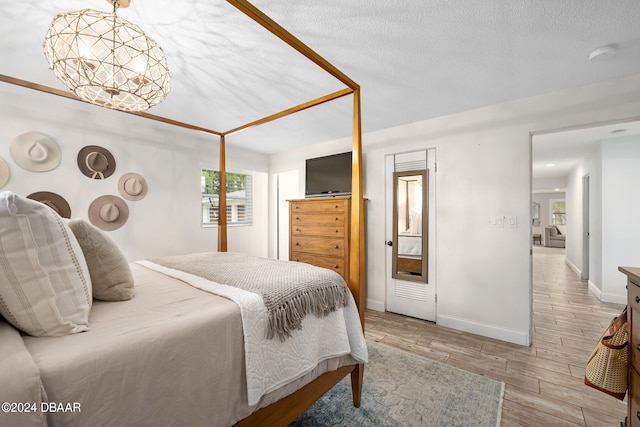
{"x":45,"y":287}
{"x":110,"y":273}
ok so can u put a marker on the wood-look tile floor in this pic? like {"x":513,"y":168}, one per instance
{"x":544,"y":382}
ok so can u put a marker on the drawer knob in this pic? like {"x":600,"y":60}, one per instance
{"x":637,"y":300}
{"x":337,"y":219}
{"x":297,"y":229}
{"x":297,"y":244}
{"x":335,"y":266}
{"x":297,"y":207}
{"x":336,"y":206}
{"x":335,"y":247}
{"x":297,"y":218}
{"x":337,"y":231}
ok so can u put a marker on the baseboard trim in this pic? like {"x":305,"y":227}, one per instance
{"x":375,"y":305}
{"x":617,"y":299}
{"x":486,"y":330}
{"x":573,"y":267}
{"x":595,"y":290}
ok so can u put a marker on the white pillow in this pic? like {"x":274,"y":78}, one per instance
{"x":45,"y":287}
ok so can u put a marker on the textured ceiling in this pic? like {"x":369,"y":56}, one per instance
{"x":414,"y":59}
{"x":557,"y":154}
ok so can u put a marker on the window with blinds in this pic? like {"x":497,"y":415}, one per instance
{"x":239,"y":198}
{"x":558,"y":212}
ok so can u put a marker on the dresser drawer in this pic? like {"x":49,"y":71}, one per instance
{"x":319,"y":218}
{"x":318,"y":245}
{"x":634,"y":399}
{"x":317,"y":230}
{"x":319,"y":206}
{"x":335,"y":264}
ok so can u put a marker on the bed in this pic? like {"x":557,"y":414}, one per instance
{"x":139,"y":342}
{"x":153,"y":360}
{"x":192,"y":340}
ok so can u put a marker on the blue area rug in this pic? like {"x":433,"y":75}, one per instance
{"x":403,"y":389}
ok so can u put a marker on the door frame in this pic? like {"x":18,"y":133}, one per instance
{"x":584,"y":272}
{"x":389,"y":168}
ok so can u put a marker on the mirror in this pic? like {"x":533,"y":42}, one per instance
{"x":410,"y":225}
{"x":535,"y":214}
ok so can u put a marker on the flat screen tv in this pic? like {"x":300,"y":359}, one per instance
{"x":328,"y":176}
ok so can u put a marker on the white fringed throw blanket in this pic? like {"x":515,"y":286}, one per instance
{"x":290,"y":290}
{"x":269,"y":363}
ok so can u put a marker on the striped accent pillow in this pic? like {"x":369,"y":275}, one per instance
{"x":45,"y":287}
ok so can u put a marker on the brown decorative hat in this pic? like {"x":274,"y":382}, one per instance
{"x":96,"y":162}
{"x":4,"y":172}
{"x":54,"y":201}
{"x":108,"y":213}
{"x":132,"y":186}
{"x":35,"y":152}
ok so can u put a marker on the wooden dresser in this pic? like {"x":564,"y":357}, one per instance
{"x":319,"y":232}
{"x":633,"y":319}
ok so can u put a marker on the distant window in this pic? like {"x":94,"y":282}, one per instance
{"x":239,"y":198}
{"x":558,"y":212}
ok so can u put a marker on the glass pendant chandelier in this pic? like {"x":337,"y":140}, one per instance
{"x":107,"y":60}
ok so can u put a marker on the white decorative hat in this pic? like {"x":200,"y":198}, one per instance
{"x":132,"y":186}
{"x":4,"y":172}
{"x":35,"y":152}
{"x":108,"y":213}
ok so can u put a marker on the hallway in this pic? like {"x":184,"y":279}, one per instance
{"x":544,"y":382}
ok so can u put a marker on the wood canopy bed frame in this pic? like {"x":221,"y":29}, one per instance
{"x":289,"y":408}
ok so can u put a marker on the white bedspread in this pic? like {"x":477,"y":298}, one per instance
{"x":271,"y":363}
{"x":409,"y":244}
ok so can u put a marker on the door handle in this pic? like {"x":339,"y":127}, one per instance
{"x":389,"y":242}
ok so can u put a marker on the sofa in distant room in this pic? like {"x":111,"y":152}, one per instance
{"x":553,"y":237}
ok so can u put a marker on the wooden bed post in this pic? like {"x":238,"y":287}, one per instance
{"x":222,"y":200}
{"x":357,"y":242}
{"x":357,"y":247}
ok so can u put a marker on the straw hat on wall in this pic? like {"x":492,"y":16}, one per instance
{"x":108,"y":213}
{"x":132,"y":186}
{"x":4,"y":172}
{"x":35,"y":152}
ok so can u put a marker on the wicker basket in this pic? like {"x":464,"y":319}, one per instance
{"x":607,"y":367}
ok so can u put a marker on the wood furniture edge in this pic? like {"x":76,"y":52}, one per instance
{"x":633,"y":288}
{"x":287,"y":409}
{"x":222,"y":198}
{"x":632,"y":272}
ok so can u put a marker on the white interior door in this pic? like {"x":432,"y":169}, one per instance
{"x":411,"y":298}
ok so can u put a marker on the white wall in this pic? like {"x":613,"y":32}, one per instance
{"x":613,"y":225}
{"x":620,"y":214}
{"x":167,"y":220}
{"x":483,"y":274}
{"x":591,"y":166}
